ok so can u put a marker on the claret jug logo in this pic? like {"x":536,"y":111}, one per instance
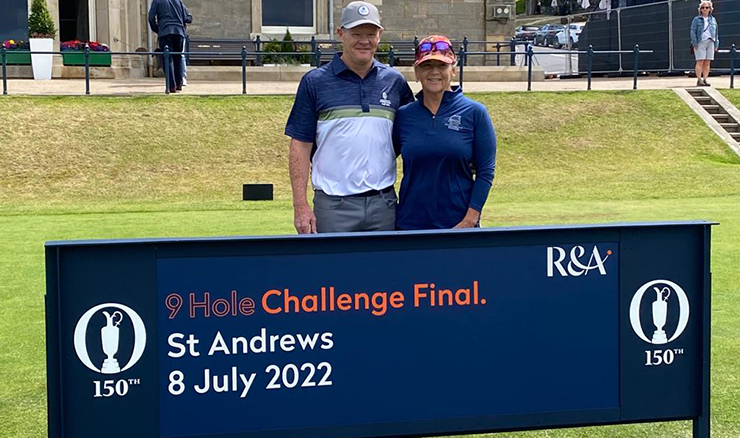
{"x":669,"y":307}
{"x":575,"y":263}
{"x":110,"y":337}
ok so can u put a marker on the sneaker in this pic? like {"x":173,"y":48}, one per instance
{"x":707,"y":84}
{"x":699,"y":83}
{"x":184,"y":82}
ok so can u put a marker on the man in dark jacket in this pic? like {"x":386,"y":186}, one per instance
{"x":168,"y":18}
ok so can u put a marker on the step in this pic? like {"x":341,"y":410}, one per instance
{"x":735,"y":135}
{"x":730,"y":127}
{"x":719,"y":117}
{"x":712,"y":109}
{"x":697,"y":92}
{"x":704,"y":100}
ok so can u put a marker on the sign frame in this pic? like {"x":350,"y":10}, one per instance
{"x":116,"y":260}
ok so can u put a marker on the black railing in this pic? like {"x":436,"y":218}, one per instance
{"x":391,"y":54}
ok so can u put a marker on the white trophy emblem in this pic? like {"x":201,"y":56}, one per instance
{"x":660,"y":312}
{"x":109,"y":337}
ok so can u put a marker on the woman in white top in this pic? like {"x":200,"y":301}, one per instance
{"x":705,"y":40}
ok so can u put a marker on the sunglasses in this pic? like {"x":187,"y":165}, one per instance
{"x":437,"y":46}
{"x":705,"y":7}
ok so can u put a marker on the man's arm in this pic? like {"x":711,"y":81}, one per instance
{"x":187,"y":16}
{"x":300,"y":157}
{"x":153,"y":17}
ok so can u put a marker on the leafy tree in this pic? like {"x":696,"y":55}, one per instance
{"x":40,"y":24}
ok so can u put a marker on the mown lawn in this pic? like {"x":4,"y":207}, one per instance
{"x":97,"y":167}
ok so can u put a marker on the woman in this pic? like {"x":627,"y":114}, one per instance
{"x":448,"y":147}
{"x":705,"y":40}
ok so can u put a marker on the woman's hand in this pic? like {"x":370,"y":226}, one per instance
{"x":470,"y":220}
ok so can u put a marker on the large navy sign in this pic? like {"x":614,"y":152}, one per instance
{"x":379,"y":334}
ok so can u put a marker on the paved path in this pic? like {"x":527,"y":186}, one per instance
{"x":156,"y":86}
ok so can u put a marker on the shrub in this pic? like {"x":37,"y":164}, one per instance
{"x":520,"y":7}
{"x":286,"y":45}
{"x":384,"y":47}
{"x":40,"y":24}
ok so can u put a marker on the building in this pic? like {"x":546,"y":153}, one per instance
{"x":122,"y":23}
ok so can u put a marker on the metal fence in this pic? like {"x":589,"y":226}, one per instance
{"x":244,"y":54}
{"x":662,"y":27}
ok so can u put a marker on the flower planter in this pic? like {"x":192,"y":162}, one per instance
{"x":77,"y":57}
{"x":42,"y":63}
{"x":17,"y":58}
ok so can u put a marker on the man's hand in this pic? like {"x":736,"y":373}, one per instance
{"x":303,"y":219}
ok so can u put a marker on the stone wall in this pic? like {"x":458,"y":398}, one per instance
{"x":220,"y":19}
{"x":404,"y":19}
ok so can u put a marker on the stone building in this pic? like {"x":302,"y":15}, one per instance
{"x":122,"y":23}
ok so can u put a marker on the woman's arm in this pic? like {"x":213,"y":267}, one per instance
{"x":716,"y":25}
{"x":694,"y":22}
{"x":484,"y":161}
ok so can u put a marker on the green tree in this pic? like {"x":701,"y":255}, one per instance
{"x":40,"y":24}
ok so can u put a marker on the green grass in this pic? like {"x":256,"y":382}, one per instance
{"x":108,"y":167}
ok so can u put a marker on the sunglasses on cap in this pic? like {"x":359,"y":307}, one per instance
{"x":437,"y":46}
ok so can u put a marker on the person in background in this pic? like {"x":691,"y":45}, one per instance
{"x":185,"y":60}
{"x":705,"y":40}
{"x":448,"y":146}
{"x":167,"y":18}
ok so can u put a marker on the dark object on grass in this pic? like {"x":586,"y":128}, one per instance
{"x":257,"y":192}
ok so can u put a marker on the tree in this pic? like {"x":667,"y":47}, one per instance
{"x":40,"y":24}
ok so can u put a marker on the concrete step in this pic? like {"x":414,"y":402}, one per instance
{"x":697,"y":92}
{"x":712,"y":109}
{"x":704,"y":100}
{"x":721,"y":117}
{"x":730,"y":127}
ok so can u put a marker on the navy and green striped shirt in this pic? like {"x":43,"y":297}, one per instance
{"x":350,"y":121}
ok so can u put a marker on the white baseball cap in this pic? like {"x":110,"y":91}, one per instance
{"x":357,"y":13}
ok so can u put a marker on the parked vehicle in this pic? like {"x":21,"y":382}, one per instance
{"x":560,"y":38}
{"x":546,"y":35}
{"x":525,"y":33}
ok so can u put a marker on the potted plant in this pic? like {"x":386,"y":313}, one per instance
{"x":73,"y":53}
{"x":16,"y":58}
{"x":42,"y":31}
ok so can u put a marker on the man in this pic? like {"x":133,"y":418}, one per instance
{"x":341,"y":130}
{"x":168,"y":18}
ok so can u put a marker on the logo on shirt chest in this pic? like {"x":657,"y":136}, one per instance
{"x":454,"y":122}
{"x":384,"y":100}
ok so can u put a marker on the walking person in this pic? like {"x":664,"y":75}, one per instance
{"x":167,"y":18}
{"x":705,"y":41}
{"x":448,"y":146}
{"x":341,"y":128}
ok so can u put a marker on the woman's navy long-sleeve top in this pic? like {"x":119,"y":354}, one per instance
{"x":448,"y":161}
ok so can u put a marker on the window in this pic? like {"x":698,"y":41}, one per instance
{"x":297,"y":15}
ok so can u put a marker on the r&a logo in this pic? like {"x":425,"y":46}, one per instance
{"x":577,"y":264}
